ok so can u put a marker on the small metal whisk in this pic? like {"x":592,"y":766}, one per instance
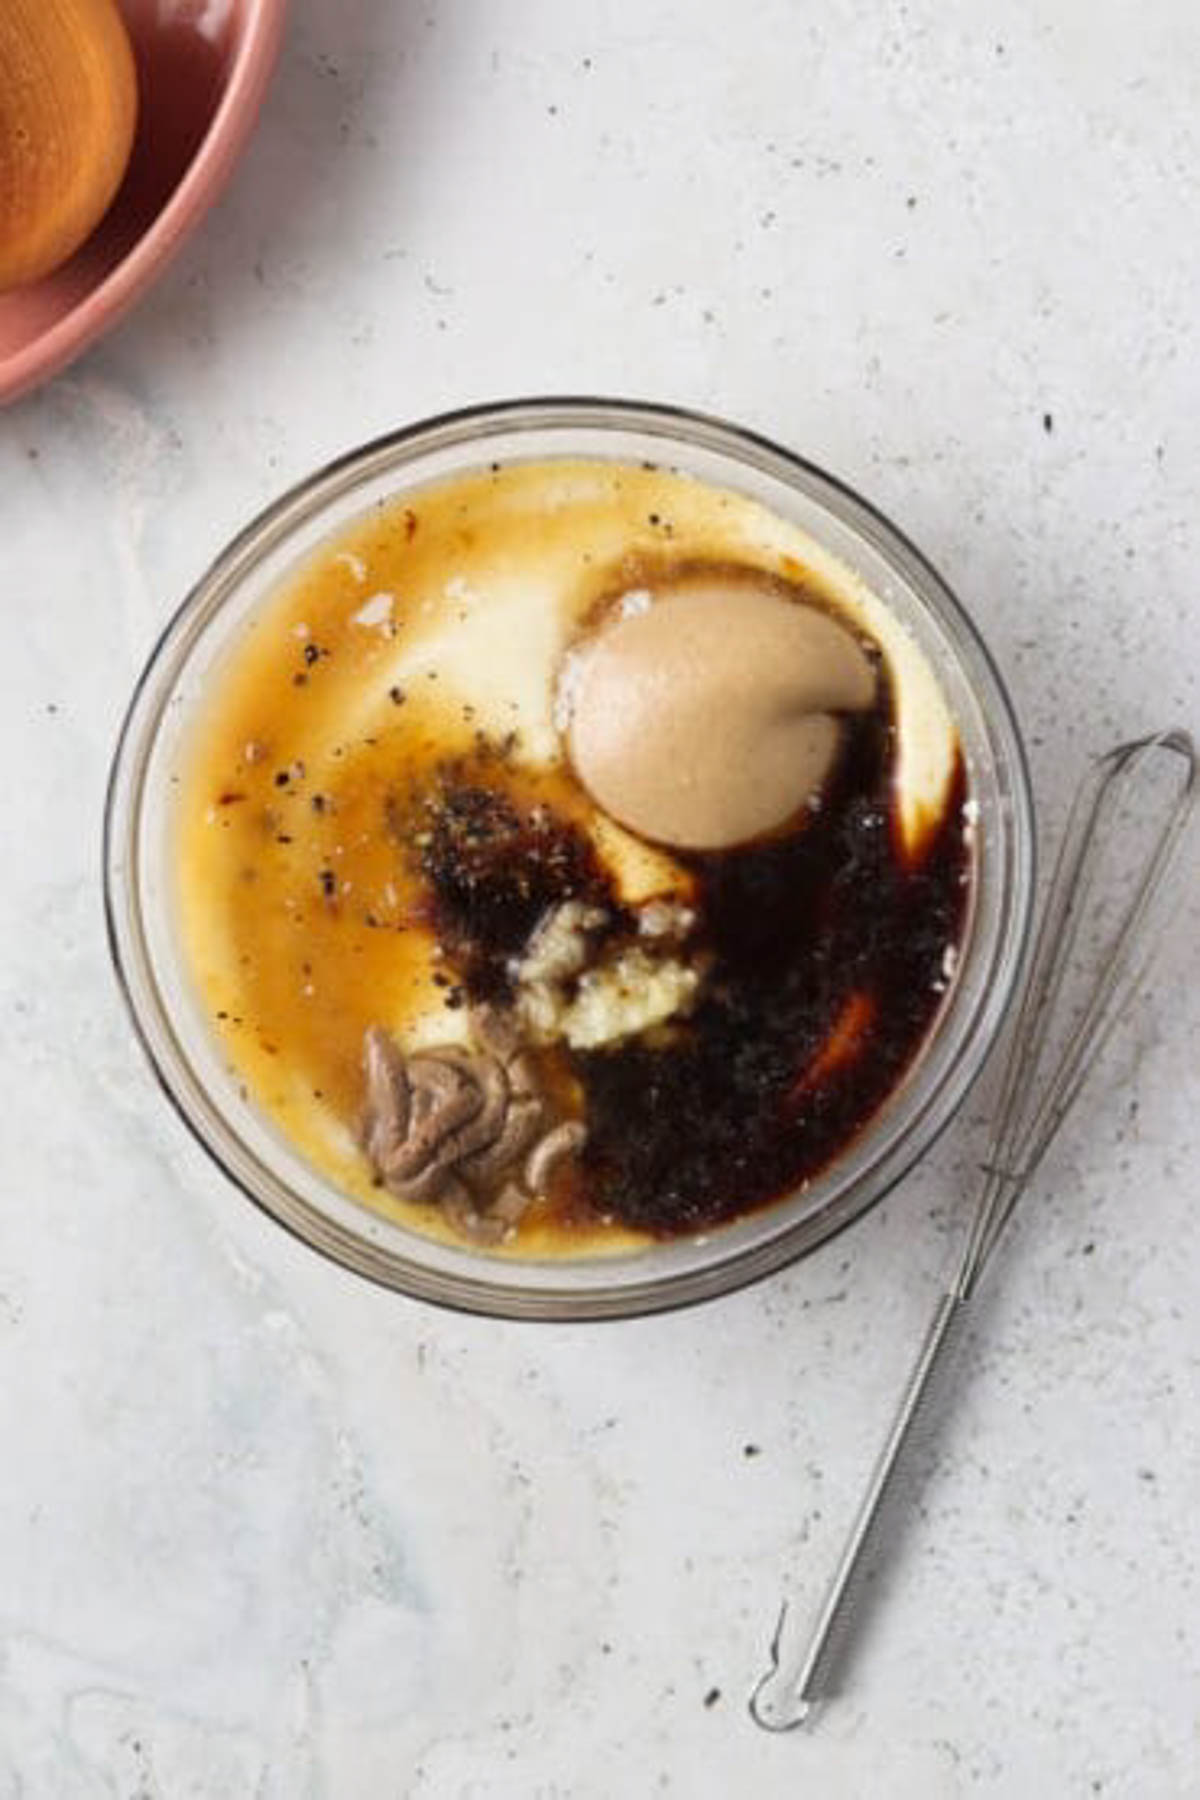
{"x":1036,"y":1094}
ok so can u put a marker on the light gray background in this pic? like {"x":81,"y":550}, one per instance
{"x":265,"y":1530}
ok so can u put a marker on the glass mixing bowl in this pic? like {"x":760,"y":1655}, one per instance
{"x":139,"y":877}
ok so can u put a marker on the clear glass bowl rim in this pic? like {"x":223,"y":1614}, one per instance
{"x":491,"y":1293}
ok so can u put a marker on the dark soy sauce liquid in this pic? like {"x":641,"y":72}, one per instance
{"x":830,"y":925}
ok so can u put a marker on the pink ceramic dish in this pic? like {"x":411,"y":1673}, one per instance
{"x":203,"y":68}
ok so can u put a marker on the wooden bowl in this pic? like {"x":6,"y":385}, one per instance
{"x":203,"y":68}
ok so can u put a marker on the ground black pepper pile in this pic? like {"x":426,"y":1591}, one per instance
{"x":495,"y":866}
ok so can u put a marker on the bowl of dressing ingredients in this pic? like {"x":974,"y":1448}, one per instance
{"x":568,"y":858}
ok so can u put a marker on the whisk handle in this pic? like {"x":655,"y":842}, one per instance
{"x":793,"y":1685}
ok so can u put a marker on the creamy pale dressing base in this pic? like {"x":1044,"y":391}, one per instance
{"x":440,"y":616}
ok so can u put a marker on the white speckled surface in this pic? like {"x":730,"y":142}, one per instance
{"x":267,"y":1531}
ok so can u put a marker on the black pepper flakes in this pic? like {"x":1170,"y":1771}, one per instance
{"x":494,"y":866}
{"x":312,"y":654}
{"x":328,"y":883}
{"x":397,"y":696}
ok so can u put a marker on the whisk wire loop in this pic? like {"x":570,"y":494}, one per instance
{"x":1037,"y":1091}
